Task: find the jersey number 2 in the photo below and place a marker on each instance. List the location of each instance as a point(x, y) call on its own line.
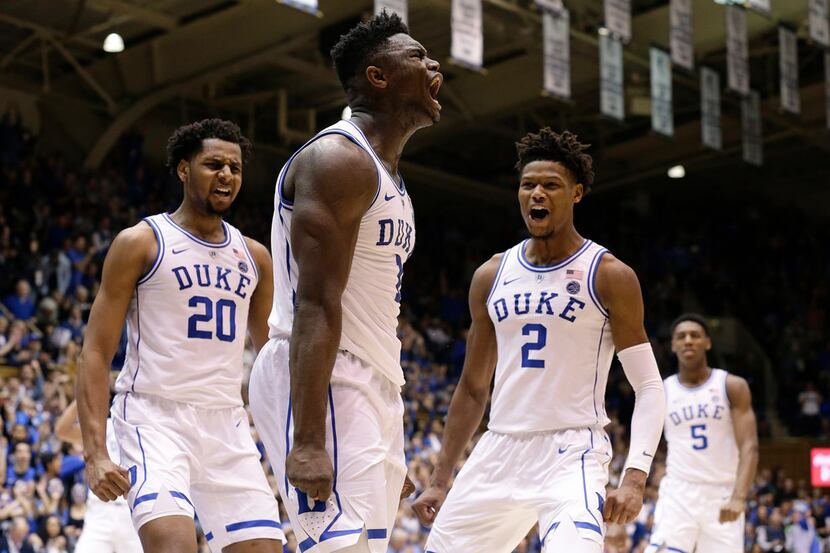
point(225, 311)
point(541, 334)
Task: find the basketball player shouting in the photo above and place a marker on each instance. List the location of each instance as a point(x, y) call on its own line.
point(713, 450)
point(547, 316)
point(190, 285)
point(325, 390)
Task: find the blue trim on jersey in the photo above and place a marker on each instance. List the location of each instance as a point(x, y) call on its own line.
point(287, 441)
point(592, 281)
point(376, 533)
point(596, 368)
point(124, 414)
point(209, 536)
point(498, 276)
point(180, 495)
point(159, 254)
point(248, 252)
point(262, 523)
point(547, 268)
point(138, 339)
point(552, 528)
point(143, 466)
point(585, 485)
point(400, 186)
point(588, 526)
point(143, 498)
point(326, 132)
point(221, 244)
point(725, 391)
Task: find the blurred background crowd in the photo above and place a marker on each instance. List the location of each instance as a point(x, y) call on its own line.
point(57, 222)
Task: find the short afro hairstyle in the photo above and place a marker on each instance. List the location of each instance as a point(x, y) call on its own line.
point(186, 141)
point(695, 318)
point(547, 145)
point(353, 52)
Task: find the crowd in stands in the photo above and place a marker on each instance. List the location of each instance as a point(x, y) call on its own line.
point(56, 224)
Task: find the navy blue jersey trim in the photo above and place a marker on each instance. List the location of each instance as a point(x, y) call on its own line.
point(159, 254)
point(547, 268)
point(199, 241)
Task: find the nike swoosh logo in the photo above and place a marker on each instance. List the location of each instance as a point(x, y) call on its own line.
point(506, 282)
point(387, 197)
point(647, 454)
point(564, 449)
point(175, 251)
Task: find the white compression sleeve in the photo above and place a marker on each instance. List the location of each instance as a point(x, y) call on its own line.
point(642, 373)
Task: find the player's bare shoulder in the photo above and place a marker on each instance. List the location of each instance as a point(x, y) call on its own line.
point(484, 278)
point(334, 166)
point(616, 281)
point(259, 252)
point(135, 247)
point(737, 390)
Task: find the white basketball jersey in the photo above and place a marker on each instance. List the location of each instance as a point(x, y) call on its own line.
point(554, 343)
point(699, 431)
point(371, 299)
point(188, 318)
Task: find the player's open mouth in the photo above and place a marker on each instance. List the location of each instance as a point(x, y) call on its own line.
point(223, 192)
point(434, 87)
point(538, 213)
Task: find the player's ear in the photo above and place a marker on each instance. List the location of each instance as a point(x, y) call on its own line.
point(183, 170)
point(376, 77)
point(579, 192)
point(708, 343)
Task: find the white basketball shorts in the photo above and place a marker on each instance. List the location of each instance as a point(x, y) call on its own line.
point(364, 438)
point(108, 528)
point(686, 519)
point(184, 458)
point(512, 481)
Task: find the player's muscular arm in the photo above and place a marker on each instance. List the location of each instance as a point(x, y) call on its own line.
point(260, 306)
point(619, 290)
point(333, 185)
point(131, 255)
point(746, 434)
point(471, 395)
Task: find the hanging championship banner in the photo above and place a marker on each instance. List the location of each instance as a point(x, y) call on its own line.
point(760, 6)
point(737, 51)
point(393, 6)
point(819, 25)
point(682, 50)
point(710, 108)
point(308, 6)
point(788, 65)
point(612, 97)
point(556, 29)
point(751, 126)
point(553, 6)
point(467, 48)
point(662, 116)
point(618, 18)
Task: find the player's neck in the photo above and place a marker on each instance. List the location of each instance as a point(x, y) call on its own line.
point(204, 226)
point(387, 133)
point(556, 248)
point(695, 375)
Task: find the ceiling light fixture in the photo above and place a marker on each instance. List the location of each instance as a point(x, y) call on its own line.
point(677, 172)
point(113, 43)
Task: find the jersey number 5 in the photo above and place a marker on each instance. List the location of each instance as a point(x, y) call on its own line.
point(700, 439)
point(541, 334)
point(225, 317)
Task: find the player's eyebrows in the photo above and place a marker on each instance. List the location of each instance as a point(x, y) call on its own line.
point(222, 160)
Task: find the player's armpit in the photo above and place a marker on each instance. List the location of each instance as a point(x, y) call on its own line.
point(263, 296)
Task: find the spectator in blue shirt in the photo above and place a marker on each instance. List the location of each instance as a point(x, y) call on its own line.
point(21, 467)
point(22, 302)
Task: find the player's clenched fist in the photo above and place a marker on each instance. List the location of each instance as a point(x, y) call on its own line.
point(106, 479)
point(428, 504)
point(309, 469)
point(623, 504)
point(730, 511)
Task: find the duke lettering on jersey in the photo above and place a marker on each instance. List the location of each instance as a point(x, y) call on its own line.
point(702, 411)
point(400, 234)
point(541, 302)
point(223, 278)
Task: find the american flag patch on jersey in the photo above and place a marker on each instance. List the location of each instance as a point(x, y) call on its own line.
point(238, 254)
point(574, 274)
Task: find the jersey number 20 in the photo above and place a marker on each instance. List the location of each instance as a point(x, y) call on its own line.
point(225, 315)
point(541, 338)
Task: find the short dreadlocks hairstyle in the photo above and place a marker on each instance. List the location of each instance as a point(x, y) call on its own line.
point(186, 141)
point(695, 318)
point(354, 51)
point(547, 145)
